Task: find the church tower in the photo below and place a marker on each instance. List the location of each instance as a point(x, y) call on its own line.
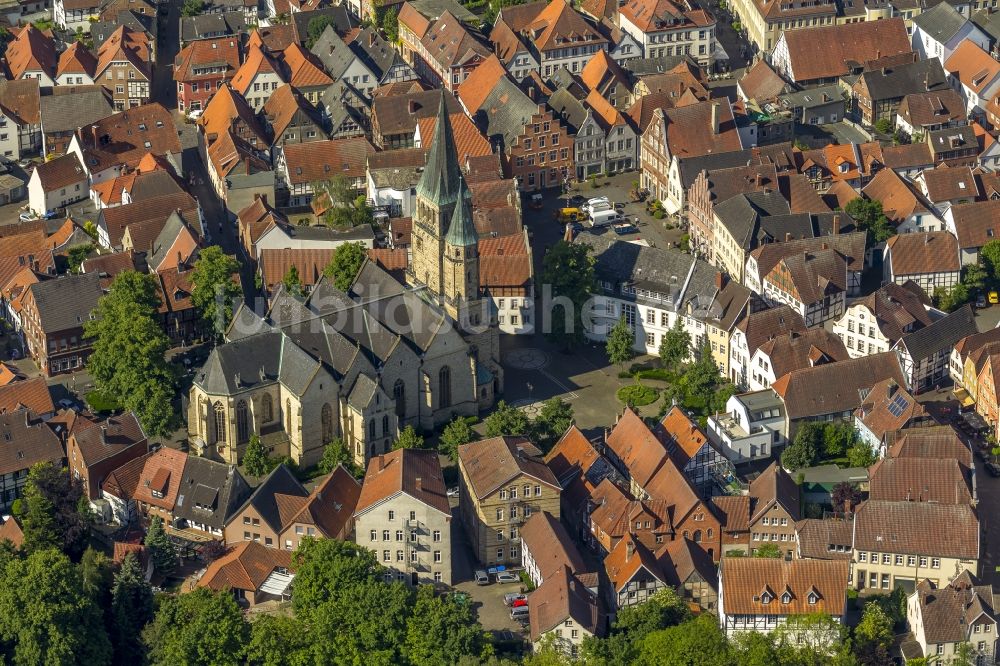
point(437, 195)
point(445, 258)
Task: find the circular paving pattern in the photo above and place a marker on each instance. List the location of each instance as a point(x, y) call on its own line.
point(530, 407)
point(526, 359)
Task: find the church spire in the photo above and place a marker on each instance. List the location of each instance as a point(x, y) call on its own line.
point(440, 180)
point(462, 231)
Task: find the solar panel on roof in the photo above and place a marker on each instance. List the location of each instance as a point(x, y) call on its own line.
point(898, 405)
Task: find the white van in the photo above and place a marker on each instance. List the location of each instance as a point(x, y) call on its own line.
point(603, 218)
point(521, 612)
point(597, 206)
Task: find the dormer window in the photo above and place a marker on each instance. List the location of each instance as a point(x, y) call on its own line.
point(786, 598)
point(765, 598)
point(843, 167)
point(813, 598)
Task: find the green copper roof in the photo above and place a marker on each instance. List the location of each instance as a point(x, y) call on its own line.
point(462, 230)
point(439, 182)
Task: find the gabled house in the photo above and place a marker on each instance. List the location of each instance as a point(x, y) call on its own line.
point(555, 35)
point(877, 93)
point(32, 55)
point(564, 608)
point(94, 452)
point(899, 543)
point(608, 79)
point(20, 118)
point(930, 260)
point(973, 225)
point(258, 77)
point(27, 441)
point(73, 14)
point(752, 426)
point(966, 358)
point(664, 28)
point(906, 208)
point(56, 184)
point(77, 66)
point(342, 64)
point(939, 30)
point(975, 76)
point(292, 118)
point(239, 171)
point(305, 72)
point(532, 141)
point(633, 572)
point(692, 451)
point(943, 618)
point(203, 67)
point(301, 165)
point(125, 67)
point(229, 111)
point(919, 113)
point(792, 351)
point(759, 594)
point(502, 482)
point(381, 57)
point(403, 512)
point(546, 547)
point(251, 573)
point(946, 186)
point(875, 323)
point(442, 49)
point(53, 317)
point(67, 109)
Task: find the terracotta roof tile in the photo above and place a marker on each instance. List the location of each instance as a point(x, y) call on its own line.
point(77, 60)
point(304, 69)
point(257, 61)
point(162, 470)
point(550, 545)
point(976, 223)
point(27, 441)
point(761, 83)
point(31, 393)
point(689, 130)
point(491, 463)
point(474, 90)
point(825, 539)
point(889, 407)
point(205, 53)
point(321, 160)
point(746, 581)
point(941, 481)
point(899, 199)
point(930, 252)
point(31, 51)
point(626, 559)
point(561, 597)
point(309, 262)
point(973, 66)
point(640, 451)
point(20, 100)
point(11, 531)
point(414, 472)
point(504, 261)
point(122, 138)
point(844, 46)
point(796, 350)
point(244, 567)
point(916, 528)
point(468, 141)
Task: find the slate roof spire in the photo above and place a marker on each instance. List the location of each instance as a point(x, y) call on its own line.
point(440, 180)
point(462, 231)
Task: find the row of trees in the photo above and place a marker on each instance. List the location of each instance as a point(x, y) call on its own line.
point(835, 442)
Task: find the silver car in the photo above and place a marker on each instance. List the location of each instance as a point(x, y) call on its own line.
point(507, 577)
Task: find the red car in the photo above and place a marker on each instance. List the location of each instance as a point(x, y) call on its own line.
point(519, 602)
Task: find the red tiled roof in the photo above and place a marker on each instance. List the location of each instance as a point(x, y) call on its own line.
point(245, 567)
point(504, 261)
point(844, 46)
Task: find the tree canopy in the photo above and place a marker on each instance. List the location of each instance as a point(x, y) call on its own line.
point(345, 264)
point(868, 215)
point(56, 513)
point(128, 359)
point(568, 275)
point(215, 292)
point(675, 346)
point(507, 420)
point(198, 627)
point(454, 435)
point(408, 438)
point(618, 345)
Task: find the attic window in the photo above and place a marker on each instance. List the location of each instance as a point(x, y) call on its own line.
point(989, 233)
point(765, 598)
point(786, 598)
point(298, 171)
point(147, 144)
point(159, 123)
point(843, 167)
point(813, 598)
point(142, 127)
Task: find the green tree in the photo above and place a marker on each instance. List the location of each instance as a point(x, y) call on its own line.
point(454, 435)
point(664, 609)
point(192, 7)
point(90, 228)
point(700, 381)
point(873, 636)
point(46, 614)
point(568, 275)
point(441, 629)
point(365, 625)
point(131, 610)
point(255, 460)
point(345, 263)
point(975, 277)
point(128, 360)
point(805, 447)
point(77, 254)
point(619, 343)
point(553, 420)
point(861, 455)
point(348, 208)
point(161, 549)
point(292, 282)
point(767, 551)
point(315, 29)
point(675, 346)
point(215, 291)
point(389, 22)
point(989, 255)
point(817, 638)
point(279, 640)
point(698, 641)
point(950, 300)
point(198, 627)
point(408, 439)
point(506, 421)
point(53, 517)
point(838, 437)
point(336, 453)
point(324, 568)
point(883, 125)
point(870, 218)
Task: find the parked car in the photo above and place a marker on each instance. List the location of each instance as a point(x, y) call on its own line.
point(27, 216)
point(624, 228)
point(520, 603)
point(536, 201)
point(511, 597)
point(49, 214)
point(981, 300)
point(520, 613)
point(994, 297)
point(66, 403)
point(993, 469)
point(507, 577)
point(453, 492)
point(482, 578)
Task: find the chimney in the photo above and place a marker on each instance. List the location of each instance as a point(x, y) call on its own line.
point(759, 179)
point(836, 224)
point(927, 81)
point(788, 236)
point(825, 246)
point(93, 131)
point(629, 550)
point(720, 280)
point(420, 484)
point(412, 106)
point(715, 118)
point(371, 38)
point(532, 95)
point(379, 463)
